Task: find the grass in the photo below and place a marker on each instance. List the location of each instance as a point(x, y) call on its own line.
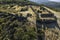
point(55, 9)
point(13, 23)
point(21, 29)
point(4, 8)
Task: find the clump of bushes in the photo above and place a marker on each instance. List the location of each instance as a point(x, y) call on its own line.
point(39, 11)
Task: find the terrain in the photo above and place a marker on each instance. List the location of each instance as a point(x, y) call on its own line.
point(28, 21)
point(53, 5)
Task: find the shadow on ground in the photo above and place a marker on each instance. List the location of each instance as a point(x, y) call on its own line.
point(40, 25)
point(8, 22)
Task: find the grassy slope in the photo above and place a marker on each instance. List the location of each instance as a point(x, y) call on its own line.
point(23, 31)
